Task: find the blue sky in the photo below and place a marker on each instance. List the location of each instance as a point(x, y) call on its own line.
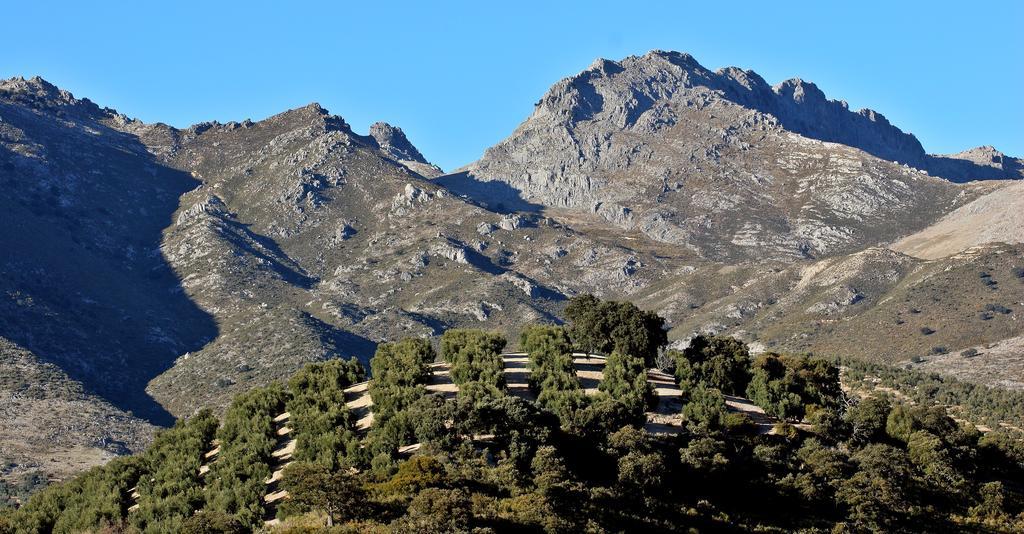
point(459, 76)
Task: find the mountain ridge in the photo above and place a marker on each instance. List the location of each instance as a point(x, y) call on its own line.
point(165, 269)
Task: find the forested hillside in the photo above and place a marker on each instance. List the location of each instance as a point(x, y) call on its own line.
point(448, 441)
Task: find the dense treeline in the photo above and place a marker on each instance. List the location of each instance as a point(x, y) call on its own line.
point(171, 489)
point(247, 440)
point(492, 462)
point(400, 370)
point(322, 425)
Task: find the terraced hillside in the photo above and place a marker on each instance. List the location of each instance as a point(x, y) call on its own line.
point(479, 437)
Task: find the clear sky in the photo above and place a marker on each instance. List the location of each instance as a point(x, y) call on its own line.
point(459, 76)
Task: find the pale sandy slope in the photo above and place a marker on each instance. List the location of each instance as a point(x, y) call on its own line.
point(995, 217)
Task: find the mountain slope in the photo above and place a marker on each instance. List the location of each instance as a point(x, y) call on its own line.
point(997, 217)
point(158, 270)
point(716, 161)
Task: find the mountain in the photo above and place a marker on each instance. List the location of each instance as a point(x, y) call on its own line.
point(150, 271)
point(719, 162)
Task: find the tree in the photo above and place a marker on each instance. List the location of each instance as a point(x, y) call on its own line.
point(705, 409)
point(625, 379)
point(788, 386)
point(338, 494)
point(404, 363)
point(588, 329)
point(321, 423)
point(248, 437)
point(722, 363)
point(933, 458)
point(598, 326)
point(867, 420)
point(475, 356)
point(880, 495)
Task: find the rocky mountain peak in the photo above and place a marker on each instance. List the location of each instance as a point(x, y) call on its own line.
point(392, 140)
point(37, 93)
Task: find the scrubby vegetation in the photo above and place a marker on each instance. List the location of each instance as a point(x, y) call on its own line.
point(488, 461)
point(247, 439)
point(978, 403)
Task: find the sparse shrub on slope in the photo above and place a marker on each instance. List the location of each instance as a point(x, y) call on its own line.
point(979, 403)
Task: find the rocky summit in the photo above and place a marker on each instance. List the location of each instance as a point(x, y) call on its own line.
point(148, 271)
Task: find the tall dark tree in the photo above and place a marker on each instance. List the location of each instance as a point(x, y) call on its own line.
point(718, 362)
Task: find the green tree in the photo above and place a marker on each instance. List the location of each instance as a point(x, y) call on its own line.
point(321, 423)
point(403, 363)
point(339, 494)
point(598, 326)
point(705, 409)
point(475, 356)
point(880, 496)
point(235, 483)
point(722, 363)
point(788, 386)
point(625, 379)
point(867, 420)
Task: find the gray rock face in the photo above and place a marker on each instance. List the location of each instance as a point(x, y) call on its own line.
point(717, 161)
point(393, 141)
point(395, 144)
